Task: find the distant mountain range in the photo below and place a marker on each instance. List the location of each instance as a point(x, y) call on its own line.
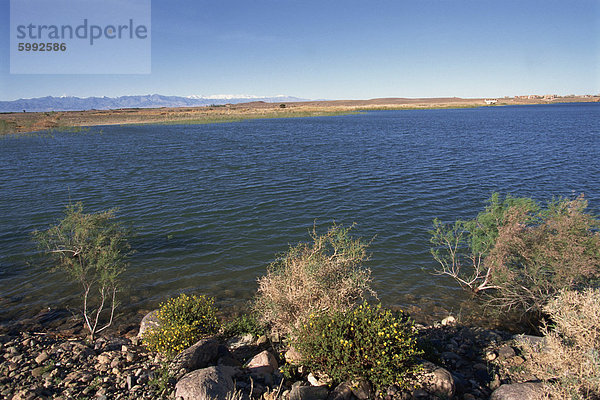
point(68, 103)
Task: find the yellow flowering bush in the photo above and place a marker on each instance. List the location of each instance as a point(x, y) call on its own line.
point(183, 321)
point(368, 342)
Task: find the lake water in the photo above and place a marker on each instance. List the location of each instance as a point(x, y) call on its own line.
point(212, 205)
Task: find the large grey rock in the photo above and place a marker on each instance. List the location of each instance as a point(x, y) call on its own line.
point(309, 393)
point(149, 322)
point(200, 355)
point(263, 363)
point(212, 383)
point(519, 391)
point(438, 381)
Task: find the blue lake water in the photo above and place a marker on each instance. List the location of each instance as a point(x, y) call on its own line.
point(212, 205)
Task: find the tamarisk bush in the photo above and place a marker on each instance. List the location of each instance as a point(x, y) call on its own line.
point(518, 255)
point(92, 250)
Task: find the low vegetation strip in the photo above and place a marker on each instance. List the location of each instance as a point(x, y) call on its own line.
point(40, 121)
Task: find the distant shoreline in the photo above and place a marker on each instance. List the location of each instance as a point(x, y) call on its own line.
point(73, 120)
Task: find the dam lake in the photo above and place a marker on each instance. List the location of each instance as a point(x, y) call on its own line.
point(212, 205)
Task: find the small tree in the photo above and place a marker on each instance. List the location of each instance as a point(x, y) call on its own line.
point(520, 255)
point(92, 250)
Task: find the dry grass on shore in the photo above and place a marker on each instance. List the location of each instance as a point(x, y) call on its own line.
point(61, 120)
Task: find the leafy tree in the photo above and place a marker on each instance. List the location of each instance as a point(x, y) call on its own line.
point(518, 254)
point(92, 249)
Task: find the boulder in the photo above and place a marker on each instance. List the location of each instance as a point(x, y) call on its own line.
point(263, 363)
point(361, 389)
point(519, 391)
point(343, 391)
point(149, 321)
point(212, 383)
point(200, 355)
point(309, 393)
point(240, 341)
point(438, 381)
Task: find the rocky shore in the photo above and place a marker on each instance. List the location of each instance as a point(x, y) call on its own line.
point(462, 363)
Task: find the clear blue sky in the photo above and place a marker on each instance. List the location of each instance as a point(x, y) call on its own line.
point(349, 50)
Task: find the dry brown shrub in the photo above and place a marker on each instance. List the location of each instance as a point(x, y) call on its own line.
point(569, 361)
point(327, 274)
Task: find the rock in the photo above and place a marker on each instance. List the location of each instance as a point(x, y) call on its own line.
point(482, 375)
point(43, 356)
point(519, 391)
point(506, 352)
point(240, 341)
point(449, 321)
point(491, 355)
point(263, 363)
point(309, 393)
point(199, 355)
point(341, 392)
point(495, 384)
point(104, 359)
point(212, 383)
point(438, 381)
point(448, 355)
point(37, 372)
point(292, 356)
point(537, 342)
point(361, 389)
point(275, 337)
point(229, 360)
point(149, 321)
point(420, 394)
point(321, 380)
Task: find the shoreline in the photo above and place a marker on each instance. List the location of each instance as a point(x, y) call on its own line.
point(28, 122)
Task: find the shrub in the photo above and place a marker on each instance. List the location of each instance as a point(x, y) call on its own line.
point(569, 360)
point(519, 254)
point(183, 321)
point(368, 342)
point(245, 323)
point(326, 274)
point(92, 250)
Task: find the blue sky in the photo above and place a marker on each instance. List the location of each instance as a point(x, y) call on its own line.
point(348, 50)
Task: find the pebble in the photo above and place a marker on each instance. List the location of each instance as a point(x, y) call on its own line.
point(43, 356)
point(60, 368)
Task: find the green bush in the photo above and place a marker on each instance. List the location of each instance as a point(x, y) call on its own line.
point(245, 323)
point(519, 254)
point(367, 342)
point(92, 249)
point(183, 321)
point(326, 274)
